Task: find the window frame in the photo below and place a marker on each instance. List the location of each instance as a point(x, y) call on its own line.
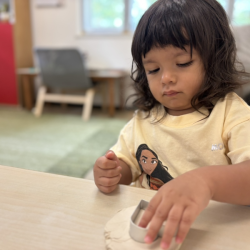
point(127, 27)
point(85, 16)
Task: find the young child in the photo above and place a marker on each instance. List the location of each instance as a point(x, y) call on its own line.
point(188, 115)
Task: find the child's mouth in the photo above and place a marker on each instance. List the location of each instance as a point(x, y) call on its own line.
point(170, 93)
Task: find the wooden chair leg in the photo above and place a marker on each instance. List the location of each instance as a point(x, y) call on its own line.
point(104, 96)
point(88, 104)
point(40, 101)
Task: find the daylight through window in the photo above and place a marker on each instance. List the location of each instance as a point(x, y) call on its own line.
point(118, 16)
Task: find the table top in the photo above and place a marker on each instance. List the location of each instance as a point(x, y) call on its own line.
point(46, 211)
point(93, 73)
point(107, 73)
point(28, 71)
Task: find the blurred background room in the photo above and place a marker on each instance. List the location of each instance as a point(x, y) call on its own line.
point(65, 78)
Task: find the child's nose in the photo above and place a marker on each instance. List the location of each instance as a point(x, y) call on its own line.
point(168, 77)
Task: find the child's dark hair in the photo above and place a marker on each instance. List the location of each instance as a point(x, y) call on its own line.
point(201, 24)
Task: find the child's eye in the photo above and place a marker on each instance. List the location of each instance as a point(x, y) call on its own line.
point(153, 161)
point(185, 64)
point(153, 71)
point(144, 161)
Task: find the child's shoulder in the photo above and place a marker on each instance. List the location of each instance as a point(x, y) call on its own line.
point(234, 109)
point(232, 102)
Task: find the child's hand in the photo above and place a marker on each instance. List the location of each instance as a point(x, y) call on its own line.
point(107, 172)
point(179, 201)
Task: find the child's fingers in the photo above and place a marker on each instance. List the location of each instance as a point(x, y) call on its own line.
point(104, 163)
point(109, 182)
point(150, 211)
point(187, 219)
point(110, 172)
point(171, 226)
point(111, 156)
point(107, 185)
point(160, 215)
point(107, 190)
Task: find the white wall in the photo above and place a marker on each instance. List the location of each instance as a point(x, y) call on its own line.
point(58, 27)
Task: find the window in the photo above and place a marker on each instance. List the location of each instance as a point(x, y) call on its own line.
point(112, 16)
point(237, 10)
point(118, 16)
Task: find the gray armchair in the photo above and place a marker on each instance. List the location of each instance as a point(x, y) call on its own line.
point(63, 69)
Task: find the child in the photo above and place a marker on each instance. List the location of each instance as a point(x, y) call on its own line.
point(185, 75)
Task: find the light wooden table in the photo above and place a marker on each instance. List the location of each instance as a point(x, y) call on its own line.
point(46, 211)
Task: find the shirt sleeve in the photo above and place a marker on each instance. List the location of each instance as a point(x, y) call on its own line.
point(239, 142)
point(125, 148)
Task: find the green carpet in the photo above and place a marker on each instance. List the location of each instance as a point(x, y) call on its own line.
point(61, 144)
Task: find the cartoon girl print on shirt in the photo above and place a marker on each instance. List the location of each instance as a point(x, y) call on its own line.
point(152, 168)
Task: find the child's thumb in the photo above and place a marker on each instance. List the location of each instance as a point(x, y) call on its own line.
point(111, 155)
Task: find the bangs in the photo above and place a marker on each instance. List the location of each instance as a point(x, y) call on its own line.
point(160, 27)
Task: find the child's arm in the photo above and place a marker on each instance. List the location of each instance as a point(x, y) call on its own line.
point(182, 199)
point(229, 183)
point(109, 171)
